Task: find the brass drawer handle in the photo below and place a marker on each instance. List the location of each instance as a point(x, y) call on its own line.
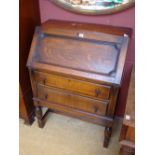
point(95, 109)
point(44, 81)
point(46, 96)
point(97, 92)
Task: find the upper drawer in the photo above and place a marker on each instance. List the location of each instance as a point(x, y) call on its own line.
point(77, 86)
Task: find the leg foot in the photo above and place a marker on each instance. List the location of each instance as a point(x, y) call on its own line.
point(30, 119)
point(107, 135)
point(39, 116)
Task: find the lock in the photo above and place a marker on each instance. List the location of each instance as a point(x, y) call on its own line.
point(80, 35)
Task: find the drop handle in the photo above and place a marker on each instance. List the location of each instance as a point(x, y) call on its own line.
point(97, 92)
point(46, 96)
point(44, 81)
point(95, 109)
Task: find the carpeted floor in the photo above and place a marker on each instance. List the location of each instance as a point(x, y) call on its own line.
point(66, 136)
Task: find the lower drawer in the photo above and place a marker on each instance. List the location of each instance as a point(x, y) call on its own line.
point(72, 100)
point(76, 113)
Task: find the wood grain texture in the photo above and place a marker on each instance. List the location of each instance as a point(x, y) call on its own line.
point(79, 54)
point(73, 27)
point(69, 111)
point(72, 100)
point(77, 86)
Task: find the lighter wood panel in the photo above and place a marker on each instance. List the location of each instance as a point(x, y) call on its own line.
point(75, 101)
point(94, 57)
point(77, 86)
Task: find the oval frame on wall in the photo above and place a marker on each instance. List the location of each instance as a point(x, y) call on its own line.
point(95, 7)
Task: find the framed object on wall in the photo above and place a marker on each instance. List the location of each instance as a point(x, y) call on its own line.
point(95, 7)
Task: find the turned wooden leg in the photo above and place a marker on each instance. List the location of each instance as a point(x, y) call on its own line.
point(30, 120)
point(39, 116)
point(107, 135)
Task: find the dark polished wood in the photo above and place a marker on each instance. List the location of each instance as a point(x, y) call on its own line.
point(29, 17)
point(76, 86)
point(107, 135)
point(72, 100)
point(76, 70)
point(25, 111)
point(127, 137)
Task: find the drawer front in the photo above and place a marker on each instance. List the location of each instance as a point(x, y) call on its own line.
point(84, 88)
point(88, 56)
point(71, 100)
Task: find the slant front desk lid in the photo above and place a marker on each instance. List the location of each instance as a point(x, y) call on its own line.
point(88, 51)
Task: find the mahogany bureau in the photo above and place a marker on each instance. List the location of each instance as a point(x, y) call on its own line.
point(76, 69)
